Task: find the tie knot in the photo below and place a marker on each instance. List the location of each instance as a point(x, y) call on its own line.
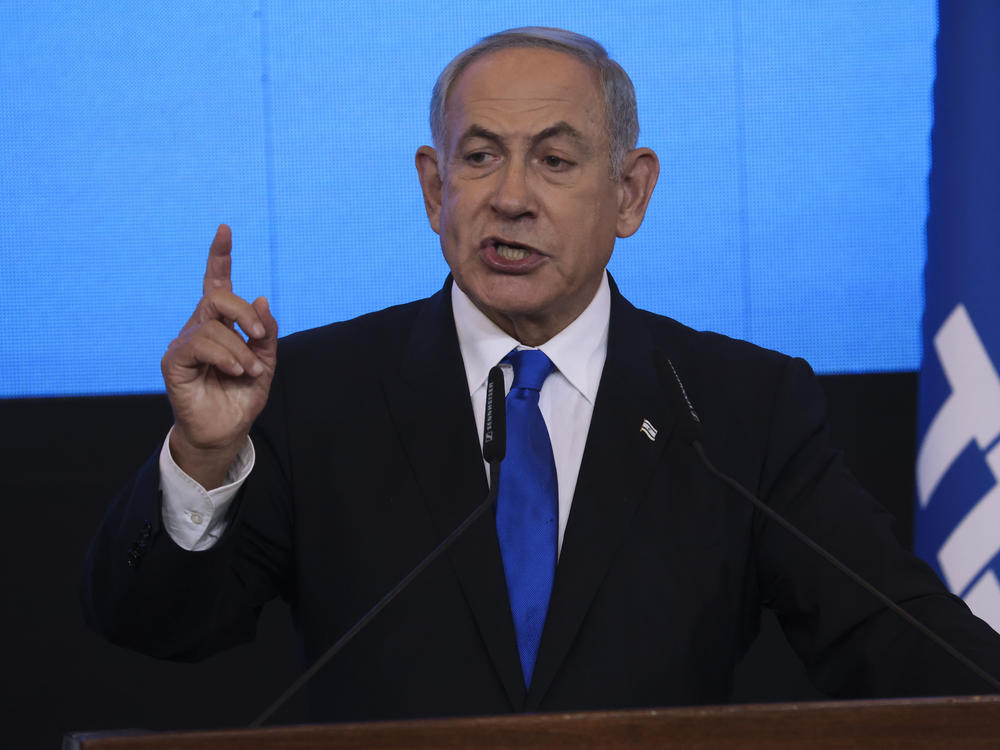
point(531, 367)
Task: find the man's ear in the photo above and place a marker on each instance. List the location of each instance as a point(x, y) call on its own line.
point(639, 173)
point(431, 184)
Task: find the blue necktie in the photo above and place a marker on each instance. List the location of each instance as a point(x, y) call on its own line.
point(527, 505)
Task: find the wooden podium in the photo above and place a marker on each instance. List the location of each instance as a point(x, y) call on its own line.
point(923, 723)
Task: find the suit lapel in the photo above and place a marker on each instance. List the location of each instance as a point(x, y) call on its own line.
point(429, 401)
point(617, 463)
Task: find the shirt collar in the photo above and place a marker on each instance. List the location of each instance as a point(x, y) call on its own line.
point(578, 351)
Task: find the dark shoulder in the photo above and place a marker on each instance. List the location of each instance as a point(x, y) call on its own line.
point(373, 338)
point(710, 354)
point(756, 405)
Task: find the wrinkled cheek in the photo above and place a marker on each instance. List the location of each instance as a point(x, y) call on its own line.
point(449, 232)
point(456, 223)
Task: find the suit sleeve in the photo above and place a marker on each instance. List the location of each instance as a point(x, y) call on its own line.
point(850, 643)
point(143, 591)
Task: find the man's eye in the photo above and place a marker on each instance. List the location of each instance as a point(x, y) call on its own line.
point(478, 157)
point(555, 162)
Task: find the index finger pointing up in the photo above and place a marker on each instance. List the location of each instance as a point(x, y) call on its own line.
point(219, 261)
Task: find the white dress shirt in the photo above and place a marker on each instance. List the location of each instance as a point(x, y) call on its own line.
point(568, 394)
point(195, 517)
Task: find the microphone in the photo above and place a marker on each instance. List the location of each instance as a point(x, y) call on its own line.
point(495, 429)
point(690, 430)
point(494, 448)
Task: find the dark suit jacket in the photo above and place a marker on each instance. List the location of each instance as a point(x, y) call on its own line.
point(367, 456)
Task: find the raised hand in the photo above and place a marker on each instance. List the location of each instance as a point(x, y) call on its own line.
point(217, 382)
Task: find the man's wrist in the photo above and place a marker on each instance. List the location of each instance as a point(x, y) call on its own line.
point(207, 466)
point(194, 517)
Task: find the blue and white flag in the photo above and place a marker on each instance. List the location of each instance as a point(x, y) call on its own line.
point(958, 461)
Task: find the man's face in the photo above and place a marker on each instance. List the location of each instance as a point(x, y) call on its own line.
point(525, 205)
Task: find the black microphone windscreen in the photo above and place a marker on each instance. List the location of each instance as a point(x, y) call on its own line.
point(495, 424)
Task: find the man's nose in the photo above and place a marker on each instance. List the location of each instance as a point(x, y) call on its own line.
point(514, 196)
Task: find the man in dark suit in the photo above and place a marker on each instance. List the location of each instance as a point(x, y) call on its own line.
point(366, 452)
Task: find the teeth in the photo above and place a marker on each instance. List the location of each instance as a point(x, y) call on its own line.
point(512, 253)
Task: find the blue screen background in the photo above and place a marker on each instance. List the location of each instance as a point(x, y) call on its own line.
point(790, 211)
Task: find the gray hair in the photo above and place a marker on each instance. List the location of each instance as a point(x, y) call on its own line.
point(620, 112)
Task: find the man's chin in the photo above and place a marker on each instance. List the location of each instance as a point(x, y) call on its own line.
point(512, 298)
point(529, 319)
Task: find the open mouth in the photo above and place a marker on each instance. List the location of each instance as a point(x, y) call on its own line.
point(509, 257)
point(511, 252)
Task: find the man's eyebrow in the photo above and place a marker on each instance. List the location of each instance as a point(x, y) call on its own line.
point(478, 131)
point(561, 128)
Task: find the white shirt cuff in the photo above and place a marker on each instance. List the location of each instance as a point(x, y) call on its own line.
point(195, 517)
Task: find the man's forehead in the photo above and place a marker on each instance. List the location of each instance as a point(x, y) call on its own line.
point(523, 81)
point(526, 73)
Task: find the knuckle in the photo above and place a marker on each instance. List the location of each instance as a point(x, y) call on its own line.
point(210, 302)
point(217, 297)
